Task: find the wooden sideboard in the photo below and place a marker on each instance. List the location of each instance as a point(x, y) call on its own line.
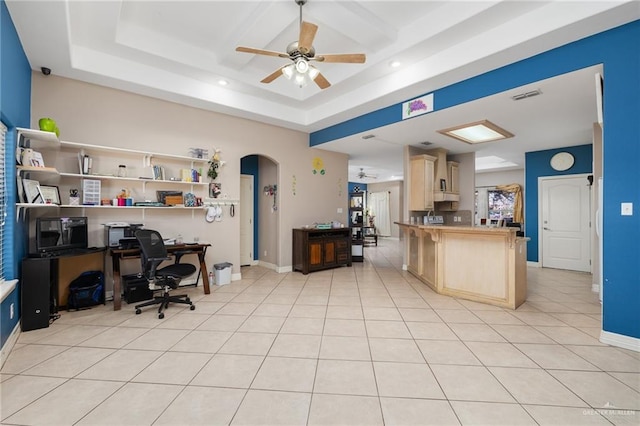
point(317, 249)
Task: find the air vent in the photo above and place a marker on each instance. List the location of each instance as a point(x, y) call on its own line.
point(426, 143)
point(522, 96)
point(369, 136)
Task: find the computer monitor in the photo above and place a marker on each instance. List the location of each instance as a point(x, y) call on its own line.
point(55, 234)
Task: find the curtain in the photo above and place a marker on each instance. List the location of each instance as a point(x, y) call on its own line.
point(518, 216)
point(379, 208)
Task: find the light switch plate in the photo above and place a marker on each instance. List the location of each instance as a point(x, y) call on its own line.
point(339, 209)
point(626, 209)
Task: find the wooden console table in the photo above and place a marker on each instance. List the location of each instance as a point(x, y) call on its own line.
point(317, 249)
point(177, 249)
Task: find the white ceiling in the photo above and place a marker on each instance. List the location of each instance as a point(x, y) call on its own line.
point(179, 50)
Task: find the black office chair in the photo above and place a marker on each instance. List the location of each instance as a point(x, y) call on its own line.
point(153, 253)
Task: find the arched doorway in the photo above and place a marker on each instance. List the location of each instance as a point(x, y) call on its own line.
point(259, 227)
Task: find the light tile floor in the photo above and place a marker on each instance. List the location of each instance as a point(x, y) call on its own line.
point(366, 345)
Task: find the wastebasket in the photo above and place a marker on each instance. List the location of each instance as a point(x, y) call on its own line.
point(223, 273)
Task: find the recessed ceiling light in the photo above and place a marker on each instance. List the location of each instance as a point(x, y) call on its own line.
point(480, 131)
point(395, 64)
point(223, 82)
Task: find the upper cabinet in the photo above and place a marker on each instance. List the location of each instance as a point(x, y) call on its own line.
point(422, 182)
point(434, 182)
point(446, 177)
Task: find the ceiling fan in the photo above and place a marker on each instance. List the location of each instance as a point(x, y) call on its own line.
point(301, 52)
point(363, 175)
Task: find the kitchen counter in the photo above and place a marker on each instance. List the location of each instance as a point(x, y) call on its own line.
point(483, 264)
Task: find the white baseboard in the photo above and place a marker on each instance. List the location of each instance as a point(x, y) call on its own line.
point(619, 340)
point(236, 277)
point(533, 264)
point(8, 345)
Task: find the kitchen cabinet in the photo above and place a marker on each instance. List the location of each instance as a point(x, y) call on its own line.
point(421, 178)
point(318, 249)
point(453, 176)
point(447, 187)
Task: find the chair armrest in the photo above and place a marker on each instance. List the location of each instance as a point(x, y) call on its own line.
point(153, 259)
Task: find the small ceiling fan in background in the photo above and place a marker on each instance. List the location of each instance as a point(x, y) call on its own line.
point(363, 175)
point(301, 52)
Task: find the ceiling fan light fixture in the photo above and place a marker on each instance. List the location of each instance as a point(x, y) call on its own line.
point(288, 71)
point(313, 73)
point(302, 66)
point(301, 80)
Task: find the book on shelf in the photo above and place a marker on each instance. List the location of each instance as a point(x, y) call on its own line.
point(158, 173)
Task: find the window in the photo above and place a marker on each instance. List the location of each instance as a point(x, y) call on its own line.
point(500, 204)
point(493, 204)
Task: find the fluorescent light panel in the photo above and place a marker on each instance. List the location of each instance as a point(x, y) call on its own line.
point(480, 131)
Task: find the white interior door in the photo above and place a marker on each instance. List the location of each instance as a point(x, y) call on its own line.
point(565, 223)
point(246, 220)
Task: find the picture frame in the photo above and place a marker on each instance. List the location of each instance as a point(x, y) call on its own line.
point(215, 189)
point(50, 194)
point(32, 194)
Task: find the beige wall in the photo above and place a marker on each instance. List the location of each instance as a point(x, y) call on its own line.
point(396, 194)
point(267, 215)
point(91, 114)
point(500, 178)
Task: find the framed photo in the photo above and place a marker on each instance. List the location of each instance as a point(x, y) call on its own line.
point(32, 191)
point(50, 194)
point(215, 189)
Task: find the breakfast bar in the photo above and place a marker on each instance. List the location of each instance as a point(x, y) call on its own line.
point(482, 264)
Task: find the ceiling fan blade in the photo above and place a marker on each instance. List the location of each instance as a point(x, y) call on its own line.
point(351, 58)
point(322, 82)
point(268, 79)
point(307, 34)
point(261, 52)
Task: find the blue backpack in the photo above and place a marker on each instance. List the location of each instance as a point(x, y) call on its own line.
point(86, 290)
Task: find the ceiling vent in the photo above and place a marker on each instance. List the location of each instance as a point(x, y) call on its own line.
point(369, 136)
point(426, 143)
point(530, 94)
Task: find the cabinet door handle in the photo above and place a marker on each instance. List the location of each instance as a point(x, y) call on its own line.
point(546, 229)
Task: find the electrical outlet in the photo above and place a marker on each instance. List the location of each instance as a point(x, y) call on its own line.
point(265, 253)
point(11, 311)
point(339, 209)
point(626, 209)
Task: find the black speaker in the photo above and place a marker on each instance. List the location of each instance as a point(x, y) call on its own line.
point(35, 290)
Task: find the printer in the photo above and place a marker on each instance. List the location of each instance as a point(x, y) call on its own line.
point(117, 233)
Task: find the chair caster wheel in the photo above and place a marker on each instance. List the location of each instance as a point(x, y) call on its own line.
point(192, 308)
point(160, 316)
point(138, 311)
point(188, 300)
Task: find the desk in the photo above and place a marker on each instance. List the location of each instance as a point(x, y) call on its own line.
point(118, 254)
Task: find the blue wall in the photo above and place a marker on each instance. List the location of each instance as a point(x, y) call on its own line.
point(537, 165)
point(15, 106)
point(618, 51)
point(250, 165)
